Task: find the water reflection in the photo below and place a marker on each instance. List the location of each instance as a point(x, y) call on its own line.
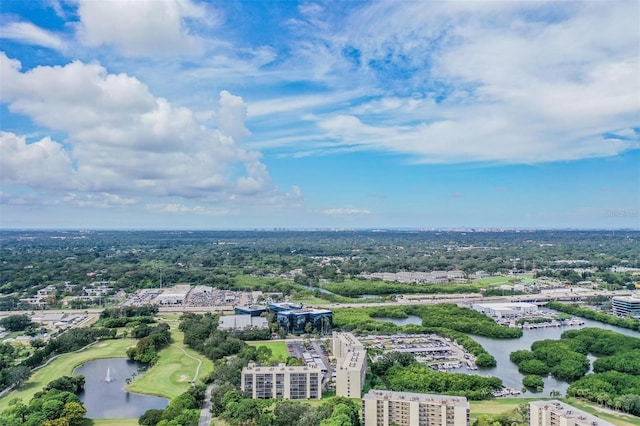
point(410, 320)
point(104, 394)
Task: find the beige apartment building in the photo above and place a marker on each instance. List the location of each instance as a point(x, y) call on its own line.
point(351, 364)
point(385, 408)
point(556, 413)
point(286, 382)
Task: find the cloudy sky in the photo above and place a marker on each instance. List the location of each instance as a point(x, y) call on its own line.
point(259, 114)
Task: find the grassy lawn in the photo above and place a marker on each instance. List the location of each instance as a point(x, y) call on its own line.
point(501, 405)
point(493, 281)
point(279, 351)
point(496, 406)
point(609, 415)
point(310, 300)
point(64, 365)
point(171, 375)
point(111, 422)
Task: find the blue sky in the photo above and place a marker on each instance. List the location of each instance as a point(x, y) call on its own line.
point(345, 114)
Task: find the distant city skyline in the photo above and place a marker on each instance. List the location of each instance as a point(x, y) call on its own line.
point(184, 114)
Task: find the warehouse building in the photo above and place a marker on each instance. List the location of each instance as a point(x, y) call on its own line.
point(505, 310)
point(241, 322)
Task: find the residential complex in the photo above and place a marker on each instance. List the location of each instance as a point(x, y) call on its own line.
point(556, 413)
point(384, 408)
point(626, 306)
point(287, 382)
point(351, 365)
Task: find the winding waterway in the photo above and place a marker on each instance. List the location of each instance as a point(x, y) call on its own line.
point(501, 348)
point(105, 396)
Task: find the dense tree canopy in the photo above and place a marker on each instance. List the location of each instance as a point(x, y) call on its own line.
point(55, 405)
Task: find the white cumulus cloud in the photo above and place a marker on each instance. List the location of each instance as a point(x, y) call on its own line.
point(43, 163)
point(123, 140)
point(141, 27)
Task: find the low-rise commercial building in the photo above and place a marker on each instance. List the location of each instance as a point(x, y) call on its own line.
point(296, 321)
point(505, 310)
point(626, 306)
point(385, 408)
point(287, 382)
point(284, 306)
point(556, 413)
point(175, 295)
point(254, 311)
point(241, 322)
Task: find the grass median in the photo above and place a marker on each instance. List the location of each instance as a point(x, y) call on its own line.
point(279, 351)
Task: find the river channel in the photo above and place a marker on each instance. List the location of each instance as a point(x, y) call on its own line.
point(501, 348)
point(105, 396)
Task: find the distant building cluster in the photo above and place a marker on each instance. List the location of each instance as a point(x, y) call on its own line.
point(435, 277)
point(351, 364)
point(193, 296)
point(41, 299)
point(385, 408)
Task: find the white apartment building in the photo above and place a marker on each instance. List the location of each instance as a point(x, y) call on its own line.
point(343, 343)
point(556, 413)
point(351, 364)
point(287, 382)
point(384, 408)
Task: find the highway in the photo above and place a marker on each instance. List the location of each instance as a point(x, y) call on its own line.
point(412, 299)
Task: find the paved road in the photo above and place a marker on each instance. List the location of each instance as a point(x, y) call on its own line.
point(205, 413)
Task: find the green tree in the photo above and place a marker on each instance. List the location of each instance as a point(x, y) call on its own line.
point(74, 413)
point(533, 382)
point(150, 417)
point(288, 413)
point(17, 323)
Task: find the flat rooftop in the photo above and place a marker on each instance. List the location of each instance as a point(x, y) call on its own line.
point(580, 417)
point(424, 398)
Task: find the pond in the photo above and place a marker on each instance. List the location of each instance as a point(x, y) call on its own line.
point(410, 320)
point(104, 394)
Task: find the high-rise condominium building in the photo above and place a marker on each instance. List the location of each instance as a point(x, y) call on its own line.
point(351, 365)
point(385, 408)
point(556, 413)
point(287, 382)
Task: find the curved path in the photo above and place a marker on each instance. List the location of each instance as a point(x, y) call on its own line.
point(195, 376)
